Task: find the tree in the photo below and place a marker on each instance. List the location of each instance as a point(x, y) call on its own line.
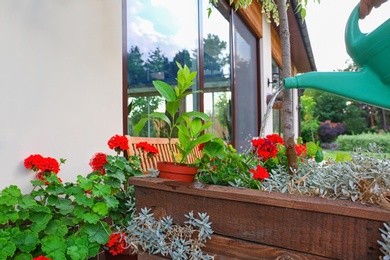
point(309, 124)
point(140, 107)
point(214, 60)
point(156, 64)
point(135, 66)
point(278, 12)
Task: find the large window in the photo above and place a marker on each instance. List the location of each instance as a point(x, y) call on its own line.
point(161, 33)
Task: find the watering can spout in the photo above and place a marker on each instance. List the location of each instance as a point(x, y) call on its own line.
point(370, 51)
point(363, 85)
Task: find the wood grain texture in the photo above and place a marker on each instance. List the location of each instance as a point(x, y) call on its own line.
point(314, 226)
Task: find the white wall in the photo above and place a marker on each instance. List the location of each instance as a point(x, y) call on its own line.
point(60, 83)
point(266, 73)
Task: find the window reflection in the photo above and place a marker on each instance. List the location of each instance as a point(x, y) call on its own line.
point(217, 84)
point(159, 34)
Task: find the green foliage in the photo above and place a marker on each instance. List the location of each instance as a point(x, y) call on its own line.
point(140, 106)
point(222, 165)
point(309, 123)
point(349, 142)
point(65, 220)
point(189, 125)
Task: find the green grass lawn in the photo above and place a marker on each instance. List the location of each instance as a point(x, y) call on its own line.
point(332, 153)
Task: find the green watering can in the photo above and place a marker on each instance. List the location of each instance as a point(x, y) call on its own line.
point(371, 84)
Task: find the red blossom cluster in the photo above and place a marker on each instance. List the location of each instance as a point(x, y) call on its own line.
point(37, 162)
point(265, 148)
point(41, 257)
point(118, 143)
point(117, 243)
point(147, 148)
point(97, 162)
point(300, 149)
point(260, 173)
point(275, 138)
point(43, 166)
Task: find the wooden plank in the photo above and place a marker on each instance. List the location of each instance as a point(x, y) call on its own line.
point(224, 248)
point(309, 203)
point(278, 224)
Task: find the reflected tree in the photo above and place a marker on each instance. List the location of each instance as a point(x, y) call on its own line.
point(136, 73)
point(140, 107)
point(214, 59)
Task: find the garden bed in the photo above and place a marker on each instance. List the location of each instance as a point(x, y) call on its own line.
point(251, 224)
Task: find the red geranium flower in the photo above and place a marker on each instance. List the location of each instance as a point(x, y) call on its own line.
point(117, 243)
point(265, 148)
point(42, 165)
point(147, 148)
point(97, 162)
point(41, 257)
point(33, 161)
point(300, 149)
point(118, 143)
point(275, 138)
point(260, 173)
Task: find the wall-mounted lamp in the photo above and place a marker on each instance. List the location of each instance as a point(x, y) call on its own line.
point(275, 79)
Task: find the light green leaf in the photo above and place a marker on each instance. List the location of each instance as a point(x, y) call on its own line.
point(165, 90)
point(100, 208)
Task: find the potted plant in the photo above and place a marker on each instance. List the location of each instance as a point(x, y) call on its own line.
point(59, 220)
point(189, 125)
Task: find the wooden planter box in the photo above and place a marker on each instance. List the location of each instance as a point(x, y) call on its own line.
point(251, 224)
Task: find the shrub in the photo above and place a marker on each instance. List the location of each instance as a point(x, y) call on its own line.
point(328, 131)
point(349, 142)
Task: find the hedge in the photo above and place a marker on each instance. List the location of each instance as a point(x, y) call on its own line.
point(349, 142)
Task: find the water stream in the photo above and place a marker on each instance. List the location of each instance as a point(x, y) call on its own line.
point(269, 110)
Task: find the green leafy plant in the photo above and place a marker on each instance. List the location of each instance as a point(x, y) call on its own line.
point(60, 220)
point(190, 125)
point(222, 165)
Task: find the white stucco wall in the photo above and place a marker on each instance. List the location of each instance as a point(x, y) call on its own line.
point(60, 83)
point(266, 73)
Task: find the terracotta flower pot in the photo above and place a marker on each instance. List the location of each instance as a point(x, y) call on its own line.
point(180, 172)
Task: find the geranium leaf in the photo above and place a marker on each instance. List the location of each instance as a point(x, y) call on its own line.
point(54, 247)
point(91, 218)
point(56, 227)
point(7, 248)
point(77, 253)
point(100, 208)
point(111, 201)
point(97, 233)
point(26, 241)
point(82, 199)
point(101, 190)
